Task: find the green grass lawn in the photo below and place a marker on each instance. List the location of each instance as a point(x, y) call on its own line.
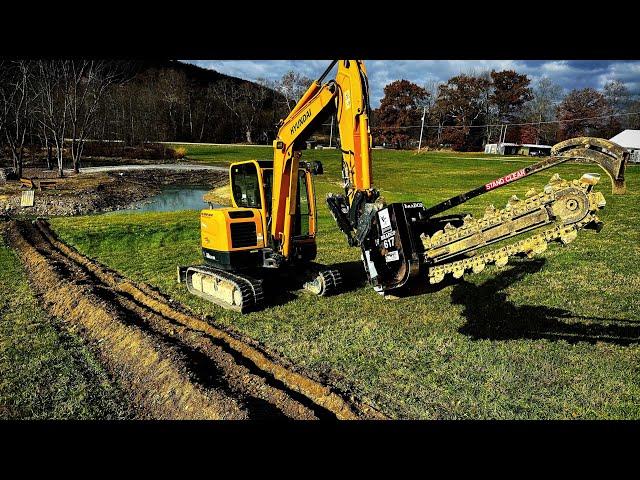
point(225, 154)
point(46, 372)
point(553, 337)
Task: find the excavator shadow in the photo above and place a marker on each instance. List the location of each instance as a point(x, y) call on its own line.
point(353, 274)
point(490, 315)
point(488, 311)
point(278, 288)
point(284, 286)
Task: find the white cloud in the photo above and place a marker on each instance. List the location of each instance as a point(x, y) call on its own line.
point(568, 74)
point(556, 67)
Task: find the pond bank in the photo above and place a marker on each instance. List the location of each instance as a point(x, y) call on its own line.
point(101, 191)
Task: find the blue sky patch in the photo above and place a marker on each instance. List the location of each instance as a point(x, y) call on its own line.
point(569, 74)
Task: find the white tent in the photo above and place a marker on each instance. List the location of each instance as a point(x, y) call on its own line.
point(629, 139)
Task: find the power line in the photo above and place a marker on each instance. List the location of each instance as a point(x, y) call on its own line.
point(546, 122)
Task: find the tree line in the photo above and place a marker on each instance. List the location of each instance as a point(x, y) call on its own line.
point(54, 110)
point(471, 110)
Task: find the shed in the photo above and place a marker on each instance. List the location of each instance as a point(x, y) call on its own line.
point(501, 148)
point(533, 150)
point(630, 140)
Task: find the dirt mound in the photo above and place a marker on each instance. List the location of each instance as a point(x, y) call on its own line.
point(174, 365)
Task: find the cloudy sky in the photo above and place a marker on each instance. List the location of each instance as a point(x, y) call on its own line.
point(569, 74)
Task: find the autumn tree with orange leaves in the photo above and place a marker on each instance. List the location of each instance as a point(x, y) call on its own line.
point(400, 108)
point(577, 112)
point(462, 102)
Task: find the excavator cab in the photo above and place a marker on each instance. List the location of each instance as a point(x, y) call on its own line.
point(237, 239)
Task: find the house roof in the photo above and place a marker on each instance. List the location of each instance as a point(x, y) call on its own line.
point(627, 139)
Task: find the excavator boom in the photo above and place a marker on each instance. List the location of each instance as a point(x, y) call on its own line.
point(348, 97)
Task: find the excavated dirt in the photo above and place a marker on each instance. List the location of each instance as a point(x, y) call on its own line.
point(175, 365)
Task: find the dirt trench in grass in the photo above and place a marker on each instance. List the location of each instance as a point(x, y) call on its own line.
point(174, 365)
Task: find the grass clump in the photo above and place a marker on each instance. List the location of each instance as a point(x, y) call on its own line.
point(46, 370)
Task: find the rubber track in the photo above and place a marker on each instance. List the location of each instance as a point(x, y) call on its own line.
point(333, 282)
point(250, 288)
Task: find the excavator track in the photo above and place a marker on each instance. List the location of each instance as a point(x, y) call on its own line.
point(229, 290)
point(566, 206)
point(326, 283)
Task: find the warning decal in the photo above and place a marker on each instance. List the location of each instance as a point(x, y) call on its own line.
point(385, 220)
point(506, 179)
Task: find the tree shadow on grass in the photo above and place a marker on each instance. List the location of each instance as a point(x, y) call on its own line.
point(490, 315)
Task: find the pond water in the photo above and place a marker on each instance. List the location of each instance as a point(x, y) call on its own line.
point(172, 199)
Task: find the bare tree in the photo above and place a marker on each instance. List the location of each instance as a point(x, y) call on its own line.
point(253, 97)
point(617, 95)
point(431, 87)
point(490, 109)
point(542, 108)
point(172, 88)
point(75, 100)
point(51, 83)
point(633, 122)
point(209, 99)
point(87, 82)
point(434, 115)
point(43, 135)
point(17, 103)
point(244, 101)
point(292, 86)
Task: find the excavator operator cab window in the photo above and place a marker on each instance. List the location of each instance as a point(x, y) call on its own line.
point(245, 185)
point(303, 212)
point(267, 180)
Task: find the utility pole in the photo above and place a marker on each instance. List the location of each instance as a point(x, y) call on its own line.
point(331, 134)
point(504, 134)
point(424, 112)
point(502, 138)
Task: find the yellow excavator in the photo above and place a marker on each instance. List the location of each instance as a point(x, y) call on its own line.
point(272, 223)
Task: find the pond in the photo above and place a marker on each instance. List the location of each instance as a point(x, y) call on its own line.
point(172, 199)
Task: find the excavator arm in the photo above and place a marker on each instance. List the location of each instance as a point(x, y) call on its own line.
point(293, 132)
point(348, 97)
